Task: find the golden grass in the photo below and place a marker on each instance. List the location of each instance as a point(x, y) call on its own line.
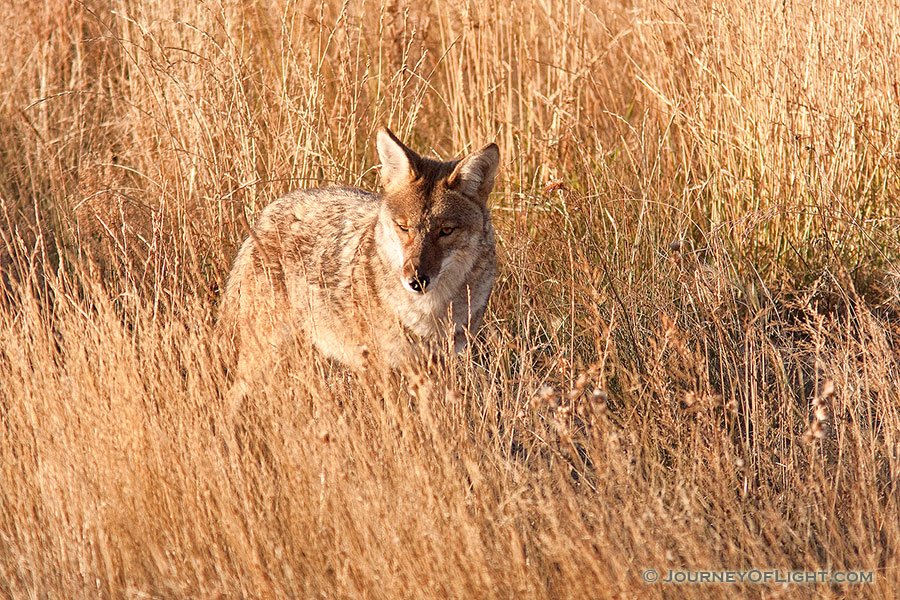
point(690, 361)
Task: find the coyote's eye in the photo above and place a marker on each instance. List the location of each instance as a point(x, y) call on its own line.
point(403, 228)
point(447, 230)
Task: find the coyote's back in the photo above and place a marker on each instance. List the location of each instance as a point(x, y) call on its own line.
point(402, 275)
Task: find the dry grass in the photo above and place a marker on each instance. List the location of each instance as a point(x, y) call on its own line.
point(690, 361)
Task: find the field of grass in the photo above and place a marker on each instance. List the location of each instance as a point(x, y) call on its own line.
point(691, 360)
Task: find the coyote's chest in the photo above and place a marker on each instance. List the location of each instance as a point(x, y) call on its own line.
point(424, 315)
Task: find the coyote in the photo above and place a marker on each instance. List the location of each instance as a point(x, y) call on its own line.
point(355, 273)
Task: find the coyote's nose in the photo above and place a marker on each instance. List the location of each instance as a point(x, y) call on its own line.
point(419, 283)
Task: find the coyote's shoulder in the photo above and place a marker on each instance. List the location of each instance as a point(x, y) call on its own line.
point(402, 274)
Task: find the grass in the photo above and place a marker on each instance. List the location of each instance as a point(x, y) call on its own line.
point(690, 361)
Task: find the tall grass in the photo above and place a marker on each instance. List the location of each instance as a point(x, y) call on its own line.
point(690, 361)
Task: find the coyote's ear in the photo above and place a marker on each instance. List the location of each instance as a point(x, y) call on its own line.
point(396, 160)
point(474, 175)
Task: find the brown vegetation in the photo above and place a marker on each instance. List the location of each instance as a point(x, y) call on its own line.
point(690, 360)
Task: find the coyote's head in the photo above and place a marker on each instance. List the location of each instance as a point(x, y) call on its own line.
point(434, 218)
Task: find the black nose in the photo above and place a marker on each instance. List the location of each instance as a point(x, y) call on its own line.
point(419, 283)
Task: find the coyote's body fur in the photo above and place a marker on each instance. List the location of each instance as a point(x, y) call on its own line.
point(402, 275)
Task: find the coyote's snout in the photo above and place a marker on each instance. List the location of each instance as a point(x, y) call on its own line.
point(349, 270)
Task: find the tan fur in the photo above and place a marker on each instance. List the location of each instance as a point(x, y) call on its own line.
point(334, 267)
